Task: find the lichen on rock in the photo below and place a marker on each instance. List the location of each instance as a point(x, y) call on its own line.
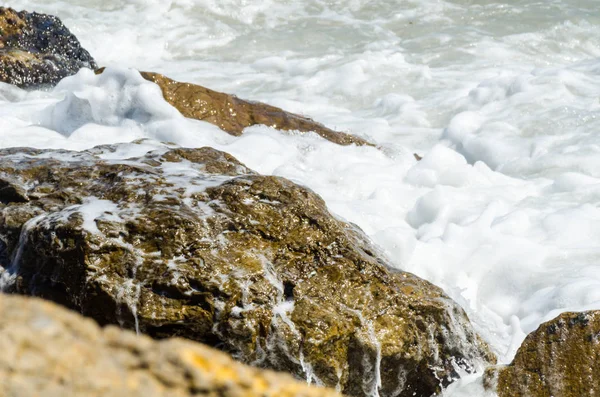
point(561, 358)
point(52, 352)
point(37, 49)
point(191, 243)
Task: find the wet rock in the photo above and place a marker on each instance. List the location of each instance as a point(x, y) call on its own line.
point(9, 192)
point(37, 49)
point(233, 114)
point(561, 358)
point(50, 351)
point(191, 243)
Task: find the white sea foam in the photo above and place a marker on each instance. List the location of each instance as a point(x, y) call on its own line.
point(502, 101)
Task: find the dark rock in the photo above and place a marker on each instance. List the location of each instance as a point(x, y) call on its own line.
point(37, 49)
point(11, 193)
point(561, 358)
point(190, 242)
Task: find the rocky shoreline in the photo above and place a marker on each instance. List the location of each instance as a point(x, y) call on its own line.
point(192, 243)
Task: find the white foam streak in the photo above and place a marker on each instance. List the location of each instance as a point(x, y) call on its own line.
point(8, 276)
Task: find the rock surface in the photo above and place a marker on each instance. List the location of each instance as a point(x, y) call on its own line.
point(52, 352)
point(37, 49)
point(233, 114)
point(561, 359)
point(190, 242)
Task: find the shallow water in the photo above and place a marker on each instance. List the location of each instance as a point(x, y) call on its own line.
point(501, 99)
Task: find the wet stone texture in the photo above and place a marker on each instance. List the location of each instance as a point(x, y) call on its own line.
point(52, 352)
point(561, 359)
point(191, 243)
point(37, 49)
point(233, 114)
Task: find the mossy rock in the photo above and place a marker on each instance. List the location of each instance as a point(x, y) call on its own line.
point(191, 243)
point(561, 359)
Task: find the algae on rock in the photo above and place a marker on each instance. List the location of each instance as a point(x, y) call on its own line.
point(561, 358)
point(191, 243)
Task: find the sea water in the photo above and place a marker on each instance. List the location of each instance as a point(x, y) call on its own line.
point(501, 98)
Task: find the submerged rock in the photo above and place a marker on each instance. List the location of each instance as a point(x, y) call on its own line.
point(561, 358)
point(191, 243)
point(233, 114)
point(37, 49)
point(50, 351)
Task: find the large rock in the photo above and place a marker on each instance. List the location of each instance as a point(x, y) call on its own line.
point(37, 49)
point(233, 114)
point(52, 352)
point(190, 242)
point(561, 359)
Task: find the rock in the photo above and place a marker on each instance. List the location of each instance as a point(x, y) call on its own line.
point(50, 351)
point(191, 243)
point(37, 49)
point(233, 114)
point(561, 358)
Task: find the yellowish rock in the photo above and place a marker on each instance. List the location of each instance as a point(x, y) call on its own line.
point(10, 23)
point(561, 359)
point(233, 114)
point(50, 351)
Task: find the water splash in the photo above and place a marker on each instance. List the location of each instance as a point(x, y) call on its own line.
point(8, 276)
